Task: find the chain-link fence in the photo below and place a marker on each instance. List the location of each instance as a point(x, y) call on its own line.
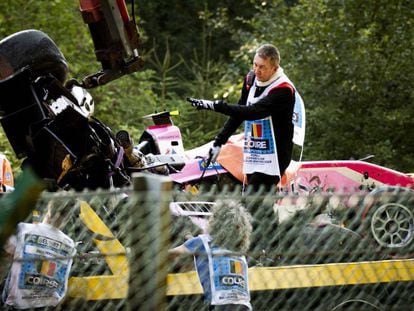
point(325, 251)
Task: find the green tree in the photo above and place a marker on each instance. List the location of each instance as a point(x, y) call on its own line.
point(352, 62)
point(197, 37)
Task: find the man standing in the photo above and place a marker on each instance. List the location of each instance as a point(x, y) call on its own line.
point(266, 105)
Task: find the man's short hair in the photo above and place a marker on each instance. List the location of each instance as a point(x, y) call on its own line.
point(269, 51)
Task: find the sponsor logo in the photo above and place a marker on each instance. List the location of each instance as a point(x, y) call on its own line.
point(43, 241)
point(232, 280)
point(258, 144)
point(8, 176)
point(211, 166)
point(295, 117)
point(40, 280)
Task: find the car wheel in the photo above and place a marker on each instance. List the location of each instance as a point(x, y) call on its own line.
point(356, 304)
point(354, 299)
point(392, 226)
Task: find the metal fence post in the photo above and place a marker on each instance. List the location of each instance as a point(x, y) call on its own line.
point(150, 242)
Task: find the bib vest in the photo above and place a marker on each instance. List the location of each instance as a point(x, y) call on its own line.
point(260, 152)
point(228, 276)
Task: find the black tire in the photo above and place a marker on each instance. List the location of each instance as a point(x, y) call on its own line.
point(35, 49)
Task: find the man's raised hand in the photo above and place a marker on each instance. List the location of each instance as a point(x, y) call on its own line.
point(202, 103)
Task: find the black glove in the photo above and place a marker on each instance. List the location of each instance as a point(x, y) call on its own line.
point(203, 103)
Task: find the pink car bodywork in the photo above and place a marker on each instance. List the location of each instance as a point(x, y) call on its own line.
point(345, 176)
point(305, 176)
point(169, 142)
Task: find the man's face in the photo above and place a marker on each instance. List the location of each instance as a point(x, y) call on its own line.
point(263, 69)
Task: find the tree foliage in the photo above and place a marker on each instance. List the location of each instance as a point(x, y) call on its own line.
point(350, 60)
